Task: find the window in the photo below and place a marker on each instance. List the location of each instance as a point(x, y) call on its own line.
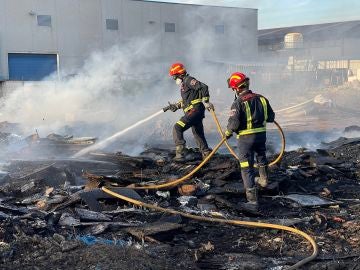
point(44, 20)
point(112, 24)
point(219, 29)
point(169, 27)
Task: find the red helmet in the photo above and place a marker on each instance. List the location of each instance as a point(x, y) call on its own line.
point(177, 69)
point(237, 79)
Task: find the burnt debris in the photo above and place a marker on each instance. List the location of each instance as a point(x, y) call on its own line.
point(53, 213)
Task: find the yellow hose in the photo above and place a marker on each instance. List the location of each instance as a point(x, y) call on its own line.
point(283, 144)
point(226, 221)
point(296, 106)
point(283, 141)
point(216, 120)
point(174, 182)
point(218, 220)
point(182, 179)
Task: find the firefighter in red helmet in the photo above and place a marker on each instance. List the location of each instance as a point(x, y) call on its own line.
point(195, 99)
point(248, 117)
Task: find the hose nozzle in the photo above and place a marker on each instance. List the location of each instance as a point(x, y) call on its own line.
point(166, 108)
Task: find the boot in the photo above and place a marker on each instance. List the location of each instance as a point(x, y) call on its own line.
point(252, 201)
point(205, 153)
point(262, 181)
point(180, 152)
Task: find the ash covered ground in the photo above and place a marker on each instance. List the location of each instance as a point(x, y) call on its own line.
point(52, 214)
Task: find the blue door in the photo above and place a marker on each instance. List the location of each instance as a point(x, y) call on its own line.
point(31, 67)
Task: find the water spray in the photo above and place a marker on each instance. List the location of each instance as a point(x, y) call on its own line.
point(112, 138)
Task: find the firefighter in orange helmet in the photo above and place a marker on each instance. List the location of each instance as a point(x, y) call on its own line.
point(248, 117)
point(195, 99)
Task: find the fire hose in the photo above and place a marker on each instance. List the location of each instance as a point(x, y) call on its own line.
point(272, 163)
point(172, 183)
point(226, 221)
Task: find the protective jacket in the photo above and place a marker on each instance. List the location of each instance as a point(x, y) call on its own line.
point(249, 114)
point(193, 93)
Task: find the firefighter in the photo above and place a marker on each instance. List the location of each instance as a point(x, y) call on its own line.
point(195, 99)
point(247, 118)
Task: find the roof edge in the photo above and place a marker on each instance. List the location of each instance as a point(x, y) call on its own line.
point(188, 4)
point(292, 26)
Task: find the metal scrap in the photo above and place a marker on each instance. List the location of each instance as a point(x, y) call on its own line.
point(308, 200)
point(85, 214)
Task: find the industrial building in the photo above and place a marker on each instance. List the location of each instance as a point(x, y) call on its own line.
point(43, 37)
point(327, 53)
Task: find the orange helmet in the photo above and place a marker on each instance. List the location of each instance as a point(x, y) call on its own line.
point(237, 79)
point(177, 69)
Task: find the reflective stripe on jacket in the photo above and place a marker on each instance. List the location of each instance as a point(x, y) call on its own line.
point(249, 114)
point(193, 92)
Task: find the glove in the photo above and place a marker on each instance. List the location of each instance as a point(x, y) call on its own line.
point(228, 134)
point(209, 106)
point(173, 107)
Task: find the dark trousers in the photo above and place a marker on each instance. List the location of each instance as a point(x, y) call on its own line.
point(248, 146)
point(194, 119)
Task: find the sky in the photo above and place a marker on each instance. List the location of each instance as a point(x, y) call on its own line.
point(282, 13)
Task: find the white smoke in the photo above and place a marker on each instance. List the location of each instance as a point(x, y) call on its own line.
point(124, 84)
point(113, 88)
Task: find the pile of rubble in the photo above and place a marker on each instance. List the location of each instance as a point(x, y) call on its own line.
point(53, 215)
point(14, 145)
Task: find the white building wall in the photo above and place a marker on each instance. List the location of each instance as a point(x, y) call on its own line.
point(112, 9)
point(2, 35)
point(79, 27)
point(70, 48)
